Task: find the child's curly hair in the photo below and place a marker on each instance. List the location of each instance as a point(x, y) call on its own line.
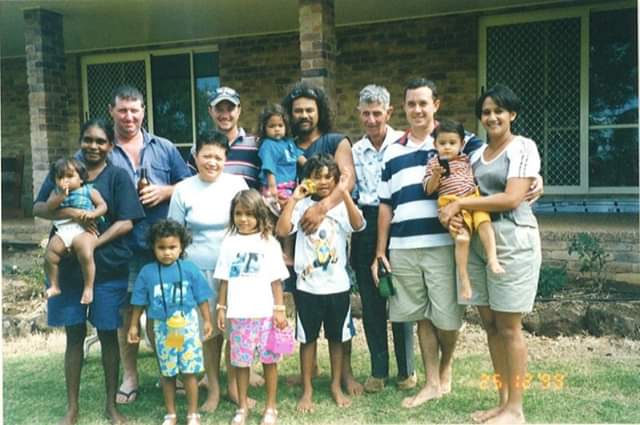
point(166, 228)
point(251, 200)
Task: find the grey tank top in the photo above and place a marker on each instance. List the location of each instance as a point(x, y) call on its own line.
point(492, 178)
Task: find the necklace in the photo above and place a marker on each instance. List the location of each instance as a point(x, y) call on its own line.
point(494, 149)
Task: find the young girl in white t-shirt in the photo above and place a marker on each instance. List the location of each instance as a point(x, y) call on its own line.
point(251, 270)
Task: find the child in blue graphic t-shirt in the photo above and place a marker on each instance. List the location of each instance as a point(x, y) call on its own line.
point(171, 289)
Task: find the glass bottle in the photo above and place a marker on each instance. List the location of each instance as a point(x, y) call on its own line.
point(385, 287)
point(143, 181)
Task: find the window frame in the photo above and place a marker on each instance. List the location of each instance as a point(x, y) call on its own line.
point(583, 13)
point(104, 58)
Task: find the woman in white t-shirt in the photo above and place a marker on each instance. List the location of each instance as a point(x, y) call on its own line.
point(201, 203)
point(504, 168)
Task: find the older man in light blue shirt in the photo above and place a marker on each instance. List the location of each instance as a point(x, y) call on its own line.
point(375, 111)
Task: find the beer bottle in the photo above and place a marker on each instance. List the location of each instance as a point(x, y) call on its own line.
point(385, 287)
point(144, 179)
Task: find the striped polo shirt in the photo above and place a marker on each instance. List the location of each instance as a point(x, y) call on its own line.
point(243, 159)
point(460, 180)
point(415, 221)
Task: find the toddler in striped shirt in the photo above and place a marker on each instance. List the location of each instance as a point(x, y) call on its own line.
point(450, 174)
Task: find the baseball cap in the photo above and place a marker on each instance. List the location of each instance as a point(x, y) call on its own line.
point(224, 93)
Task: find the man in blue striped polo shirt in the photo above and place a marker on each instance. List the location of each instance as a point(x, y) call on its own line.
point(421, 256)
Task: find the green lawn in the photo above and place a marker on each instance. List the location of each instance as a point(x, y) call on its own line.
point(596, 389)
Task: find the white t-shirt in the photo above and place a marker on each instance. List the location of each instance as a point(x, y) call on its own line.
point(250, 263)
point(203, 207)
point(321, 258)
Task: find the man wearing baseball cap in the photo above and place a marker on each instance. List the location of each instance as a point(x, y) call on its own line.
point(242, 159)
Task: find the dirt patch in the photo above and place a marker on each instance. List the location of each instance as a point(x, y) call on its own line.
point(22, 297)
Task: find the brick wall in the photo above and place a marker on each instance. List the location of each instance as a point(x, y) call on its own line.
point(443, 49)
point(15, 131)
point(15, 119)
point(262, 68)
point(623, 249)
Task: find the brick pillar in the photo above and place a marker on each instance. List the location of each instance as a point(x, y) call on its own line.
point(44, 47)
point(318, 44)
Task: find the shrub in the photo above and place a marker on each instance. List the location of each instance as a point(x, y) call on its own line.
point(592, 258)
point(552, 279)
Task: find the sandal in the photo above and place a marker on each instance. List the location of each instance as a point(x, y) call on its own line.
point(270, 417)
point(170, 419)
point(240, 417)
point(193, 419)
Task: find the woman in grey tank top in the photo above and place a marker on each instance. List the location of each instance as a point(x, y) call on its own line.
point(504, 168)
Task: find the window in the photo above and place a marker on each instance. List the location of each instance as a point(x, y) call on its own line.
point(176, 85)
point(576, 71)
point(613, 99)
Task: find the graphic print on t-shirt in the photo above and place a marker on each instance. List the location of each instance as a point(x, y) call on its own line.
point(246, 264)
point(322, 246)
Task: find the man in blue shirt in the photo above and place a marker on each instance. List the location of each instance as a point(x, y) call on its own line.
point(135, 149)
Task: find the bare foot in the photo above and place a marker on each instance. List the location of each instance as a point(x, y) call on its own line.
point(87, 296)
point(70, 418)
point(507, 417)
point(339, 397)
point(495, 267)
point(255, 379)
point(351, 386)
point(204, 382)
point(445, 380)
point(233, 398)
point(115, 417)
point(305, 404)
point(481, 416)
point(465, 289)
point(425, 394)
point(211, 403)
point(52, 292)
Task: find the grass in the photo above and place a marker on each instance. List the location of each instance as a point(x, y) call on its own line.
point(595, 389)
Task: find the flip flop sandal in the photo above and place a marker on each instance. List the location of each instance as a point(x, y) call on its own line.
point(170, 419)
point(193, 419)
point(240, 417)
point(270, 417)
point(130, 397)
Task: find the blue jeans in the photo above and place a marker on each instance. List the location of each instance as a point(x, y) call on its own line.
point(374, 307)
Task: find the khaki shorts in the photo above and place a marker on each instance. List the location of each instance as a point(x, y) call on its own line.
point(519, 253)
point(425, 283)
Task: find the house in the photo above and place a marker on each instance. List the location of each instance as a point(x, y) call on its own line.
point(573, 62)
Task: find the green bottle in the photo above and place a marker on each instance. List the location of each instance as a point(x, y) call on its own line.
point(385, 287)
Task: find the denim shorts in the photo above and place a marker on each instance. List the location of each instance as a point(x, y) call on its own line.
point(104, 313)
